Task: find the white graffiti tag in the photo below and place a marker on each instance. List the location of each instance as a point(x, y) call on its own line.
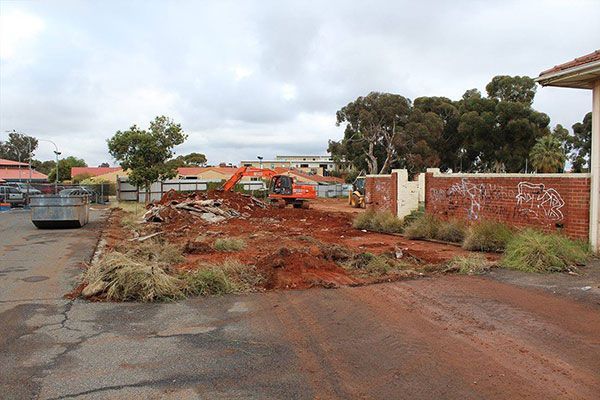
point(471, 191)
point(535, 200)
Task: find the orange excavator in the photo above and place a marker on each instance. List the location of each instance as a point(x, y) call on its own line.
point(282, 188)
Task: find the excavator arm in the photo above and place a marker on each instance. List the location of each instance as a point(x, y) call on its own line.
point(246, 171)
point(235, 178)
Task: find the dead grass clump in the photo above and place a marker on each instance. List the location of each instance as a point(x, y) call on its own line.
point(231, 276)
point(208, 281)
point(372, 264)
point(229, 244)
point(425, 227)
point(534, 251)
point(487, 236)
point(451, 231)
point(335, 252)
point(363, 220)
point(378, 222)
point(125, 278)
point(163, 253)
point(472, 264)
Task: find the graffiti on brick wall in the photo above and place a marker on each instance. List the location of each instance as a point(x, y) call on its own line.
point(534, 200)
point(526, 200)
point(473, 193)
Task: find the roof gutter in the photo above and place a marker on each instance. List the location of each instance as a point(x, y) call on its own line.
point(571, 72)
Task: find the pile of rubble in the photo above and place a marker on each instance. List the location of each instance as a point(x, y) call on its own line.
point(212, 207)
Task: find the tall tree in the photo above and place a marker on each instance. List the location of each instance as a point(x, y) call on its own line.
point(518, 89)
point(548, 155)
point(43, 166)
point(449, 143)
point(64, 168)
point(498, 134)
point(582, 144)
point(374, 125)
point(419, 146)
point(189, 160)
point(145, 152)
point(562, 135)
point(17, 147)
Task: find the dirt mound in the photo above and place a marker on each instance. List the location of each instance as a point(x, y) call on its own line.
point(210, 207)
point(301, 269)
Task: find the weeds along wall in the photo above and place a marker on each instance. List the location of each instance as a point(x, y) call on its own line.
point(551, 202)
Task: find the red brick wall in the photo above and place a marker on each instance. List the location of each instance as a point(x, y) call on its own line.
point(381, 192)
point(549, 203)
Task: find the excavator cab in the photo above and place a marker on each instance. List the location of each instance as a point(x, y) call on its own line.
point(281, 185)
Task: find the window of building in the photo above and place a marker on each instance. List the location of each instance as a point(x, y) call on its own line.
point(303, 165)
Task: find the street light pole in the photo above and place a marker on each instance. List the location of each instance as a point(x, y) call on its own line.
point(57, 154)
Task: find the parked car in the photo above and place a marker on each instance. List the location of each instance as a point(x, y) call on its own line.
point(11, 195)
point(24, 188)
point(79, 191)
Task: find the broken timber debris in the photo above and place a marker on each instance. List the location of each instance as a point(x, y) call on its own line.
point(198, 206)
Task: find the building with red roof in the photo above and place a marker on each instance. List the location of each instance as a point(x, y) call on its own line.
point(14, 171)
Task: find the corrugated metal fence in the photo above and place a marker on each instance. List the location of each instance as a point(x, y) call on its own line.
point(128, 192)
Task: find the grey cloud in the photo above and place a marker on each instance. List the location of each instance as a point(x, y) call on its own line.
point(100, 67)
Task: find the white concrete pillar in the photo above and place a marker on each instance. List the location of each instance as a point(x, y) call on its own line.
point(595, 170)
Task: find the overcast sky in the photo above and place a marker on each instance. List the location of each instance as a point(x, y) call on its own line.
point(248, 78)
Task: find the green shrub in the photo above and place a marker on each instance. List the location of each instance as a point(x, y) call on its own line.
point(229, 244)
point(469, 265)
point(451, 231)
point(383, 221)
point(535, 251)
point(487, 236)
point(425, 227)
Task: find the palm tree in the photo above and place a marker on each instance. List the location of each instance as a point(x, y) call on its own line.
point(548, 155)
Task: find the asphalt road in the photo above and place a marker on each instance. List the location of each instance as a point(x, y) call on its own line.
point(447, 338)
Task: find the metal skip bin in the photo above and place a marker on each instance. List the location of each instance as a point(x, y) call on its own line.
point(50, 212)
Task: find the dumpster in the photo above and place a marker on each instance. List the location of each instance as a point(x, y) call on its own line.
point(54, 211)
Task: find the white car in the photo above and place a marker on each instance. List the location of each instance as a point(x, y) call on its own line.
point(11, 195)
point(24, 188)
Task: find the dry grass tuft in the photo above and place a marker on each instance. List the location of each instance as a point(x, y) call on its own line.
point(473, 264)
point(378, 222)
point(425, 227)
point(229, 244)
point(487, 236)
point(535, 251)
point(125, 278)
point(231, 276)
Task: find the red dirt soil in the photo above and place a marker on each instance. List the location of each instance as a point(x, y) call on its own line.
point(286, 243)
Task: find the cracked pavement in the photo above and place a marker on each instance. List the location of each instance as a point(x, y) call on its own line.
point(449, 337)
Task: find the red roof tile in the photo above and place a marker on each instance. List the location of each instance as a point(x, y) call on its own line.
point(4, 163)
point(199, 170)
point(13, 173)
point(588, 58)
point(93, 171)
